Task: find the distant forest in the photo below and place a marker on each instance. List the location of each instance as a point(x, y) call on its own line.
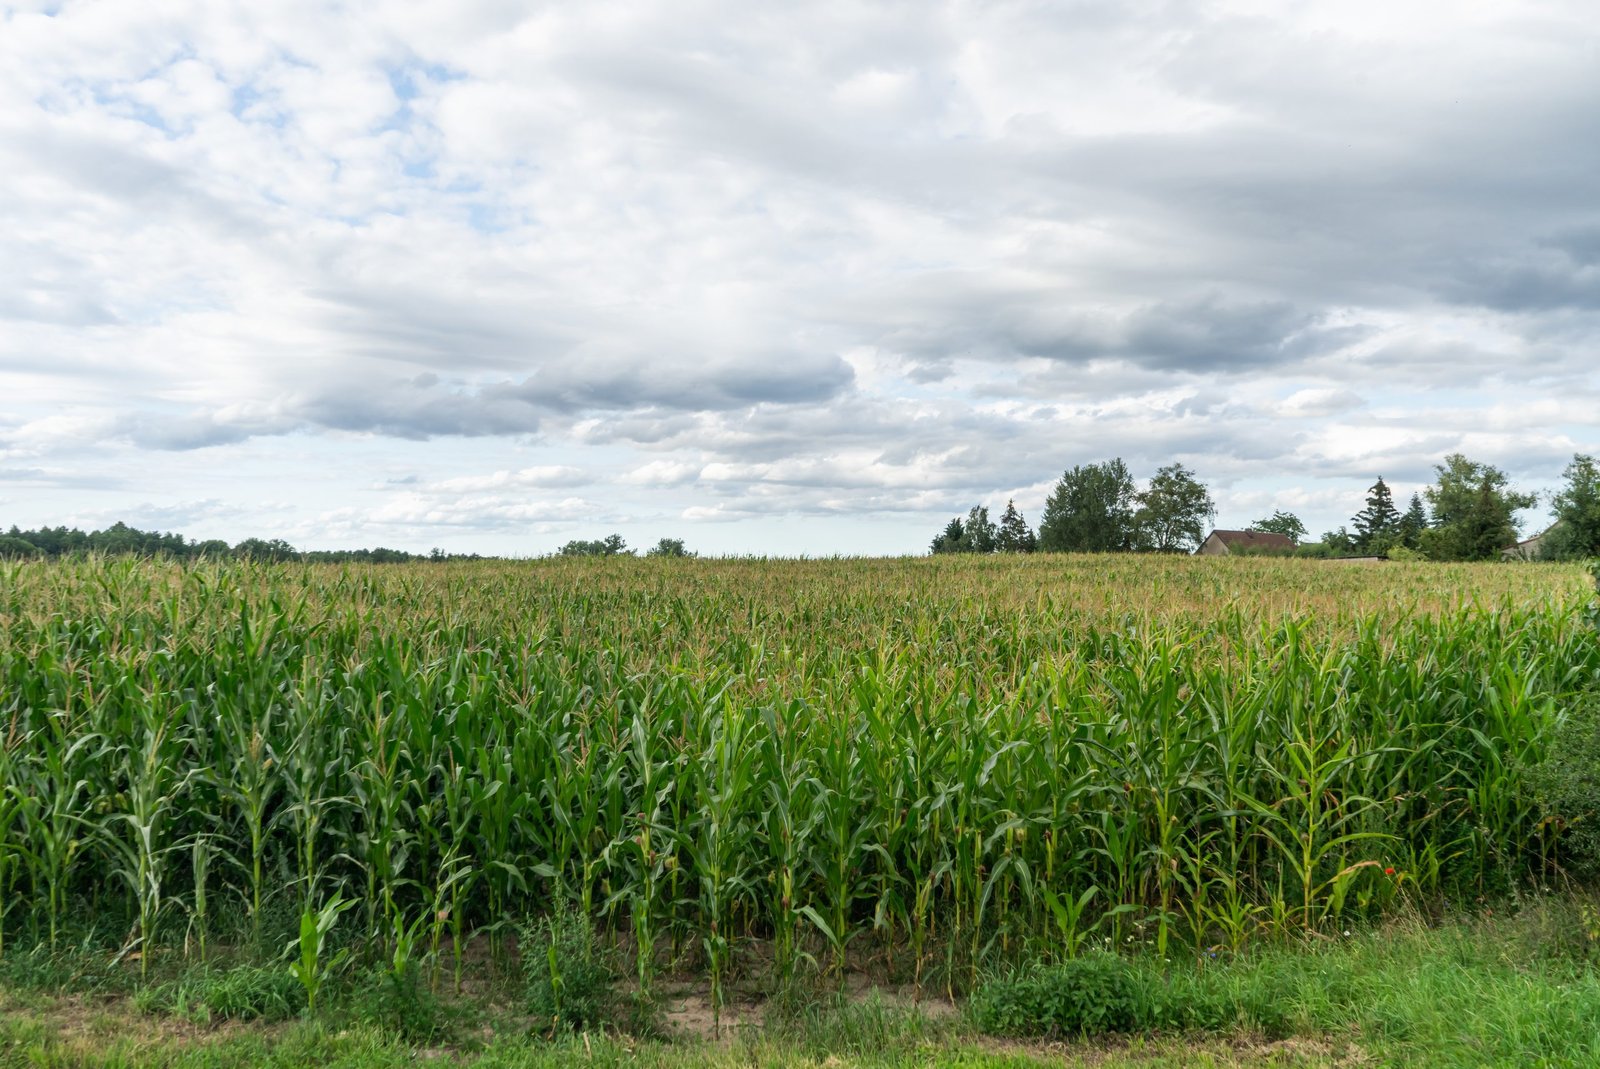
point(121, 540)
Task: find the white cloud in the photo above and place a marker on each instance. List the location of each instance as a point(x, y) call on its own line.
point(662, 473)
point(1321, 401)
point(848, 261)
point(539, 477)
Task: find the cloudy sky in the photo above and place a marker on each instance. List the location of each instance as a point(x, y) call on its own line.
point(781, 278)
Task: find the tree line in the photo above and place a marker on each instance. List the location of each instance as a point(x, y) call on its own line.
point(1094, 508)
point(122, 540)
point(613, 545)
point(1468, 513)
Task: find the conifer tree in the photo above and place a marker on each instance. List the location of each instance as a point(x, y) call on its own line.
point(1413, 523)
point(1378, 525)
point(1015, 535)
point(949, 540)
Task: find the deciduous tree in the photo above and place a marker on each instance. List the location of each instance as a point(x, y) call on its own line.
point(1474, 511)
point(668, 547)
point(1284, 523)
point(612, 545)
point(1173, 511)
point(1091, 510)
point(1576, 532)
point(978, 534)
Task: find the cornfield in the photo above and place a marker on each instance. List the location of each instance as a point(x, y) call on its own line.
point(925, 764)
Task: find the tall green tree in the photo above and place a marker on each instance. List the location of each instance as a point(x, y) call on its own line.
point(1284, 523)
point(1338, 543)
point(1378, 525)
point(949, 540)
point(1576, 531)
point(1474, 511)
point(668, 547)
point(978, 533)
point(1091, 510)
point(612, 545)
point(1413, 523)
point(1015, 535)
point(1173, 511)
point(275, 549)
point(975, 534)
point(12, 546)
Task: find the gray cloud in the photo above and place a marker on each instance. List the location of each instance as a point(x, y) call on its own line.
point(606, 384)
point(419, 408)
point(58, 478)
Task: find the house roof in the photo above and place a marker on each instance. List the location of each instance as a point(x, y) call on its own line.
point(1252, 540)
point(1533, 539)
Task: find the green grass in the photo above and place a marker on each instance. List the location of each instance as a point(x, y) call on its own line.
point(239, 993)
point(1515, 989)
point(356, 1049)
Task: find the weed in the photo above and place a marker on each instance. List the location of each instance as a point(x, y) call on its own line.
point(569, 977)
point(1567, 784)
point(1088, 995)
point(238, 993)
point(401, 1005)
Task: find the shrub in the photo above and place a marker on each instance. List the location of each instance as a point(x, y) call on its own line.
point(11, 546)
point(569, 976)
point(1567, 785)
point(1090, 995)
point(1187, 1000)
point(399, 1003)
point(1551, 929)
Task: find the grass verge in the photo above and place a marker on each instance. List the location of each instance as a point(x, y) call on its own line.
point(1515, 989)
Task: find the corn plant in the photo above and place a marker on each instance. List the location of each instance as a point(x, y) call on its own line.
point(136, 836)
point(309, 961)
point(53, 816)
point(1068, 913)
point(201, 851)
point(719, 845)
point(251, 788)
point(13, 850)
point(651, 775)
point(901, 761)
point(789, 823)
point(1310, 821)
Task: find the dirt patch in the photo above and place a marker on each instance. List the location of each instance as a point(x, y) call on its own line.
point(1242, 1052)
point(686, 1007)
point(689, 1015)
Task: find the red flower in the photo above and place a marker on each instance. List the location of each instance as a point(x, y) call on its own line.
point(1389, 871)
